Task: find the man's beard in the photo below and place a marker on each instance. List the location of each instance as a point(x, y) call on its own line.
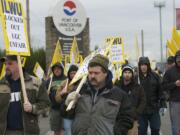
point(127, 79)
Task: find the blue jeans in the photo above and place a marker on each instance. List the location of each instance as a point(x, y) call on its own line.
point(67, 126)
point(154, 121)
point(174, 116)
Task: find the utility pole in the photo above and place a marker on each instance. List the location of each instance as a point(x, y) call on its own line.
point(160, 5)
point(142, 42)
point(28, 21)
point(174, 13)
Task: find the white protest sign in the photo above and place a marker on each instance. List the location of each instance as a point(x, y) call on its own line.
point(116, 53)
point(14, 28)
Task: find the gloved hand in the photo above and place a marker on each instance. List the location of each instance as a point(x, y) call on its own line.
point(162, 111)
point(73, 96)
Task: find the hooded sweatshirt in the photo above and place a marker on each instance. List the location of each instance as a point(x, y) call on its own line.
point(152, 88)
point(56, 82)
point(135, 93)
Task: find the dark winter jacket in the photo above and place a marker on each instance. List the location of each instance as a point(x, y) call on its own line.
point(107, 111)
point(169, 79)
point(56, 82)
point(136, 95)
point(61, 98)
point(152, 88)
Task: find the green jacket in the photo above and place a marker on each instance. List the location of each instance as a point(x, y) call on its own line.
point(37, 96)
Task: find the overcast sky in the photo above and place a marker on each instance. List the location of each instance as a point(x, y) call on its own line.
point(123, 18)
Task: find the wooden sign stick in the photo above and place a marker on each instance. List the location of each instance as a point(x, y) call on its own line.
point(77, 91)
point(26, 100)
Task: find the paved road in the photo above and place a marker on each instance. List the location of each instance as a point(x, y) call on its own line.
point(44, 126)
point(165, 124)
point(165, 127)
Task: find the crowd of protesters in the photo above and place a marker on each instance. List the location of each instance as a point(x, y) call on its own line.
point(127, 107)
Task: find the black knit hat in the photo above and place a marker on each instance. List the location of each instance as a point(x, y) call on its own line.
point(99, 60)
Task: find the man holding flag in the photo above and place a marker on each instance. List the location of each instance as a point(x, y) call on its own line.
point(52, 85)
point(16, 117)
point(100, 108)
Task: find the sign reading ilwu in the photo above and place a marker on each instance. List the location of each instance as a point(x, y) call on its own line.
point(14, 28)
point(117, 49)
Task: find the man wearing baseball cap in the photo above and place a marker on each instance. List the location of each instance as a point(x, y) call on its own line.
point(17, 117)
point(101, 108)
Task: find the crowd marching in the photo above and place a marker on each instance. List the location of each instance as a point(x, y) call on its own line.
point(126, 107)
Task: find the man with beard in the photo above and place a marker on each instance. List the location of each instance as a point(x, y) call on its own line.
point(100, 108)
point(135, 93)
point(171, 83)
point(56, 124)
point(16, 117)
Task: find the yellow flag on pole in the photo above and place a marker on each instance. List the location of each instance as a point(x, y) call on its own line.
point(80, 59)
point(2, 73)
point(169, 52)
point(171, 46)
point(58, 55)
point(137, 48)
point(38, 70)
point(23, 61)
point(74, 52)
point(176, 38)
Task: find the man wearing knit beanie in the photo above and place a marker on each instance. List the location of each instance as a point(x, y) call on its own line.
point(101, 61)
point(101, 108)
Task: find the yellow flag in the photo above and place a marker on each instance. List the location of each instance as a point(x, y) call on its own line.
point(176, 38)
point(38, 71)
point(81, 59)
point(137, 48)
point(23, 61)
point(171, 46)
point(74, 53)
point(58, 55)
point(2, 73)
point(169, 52)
